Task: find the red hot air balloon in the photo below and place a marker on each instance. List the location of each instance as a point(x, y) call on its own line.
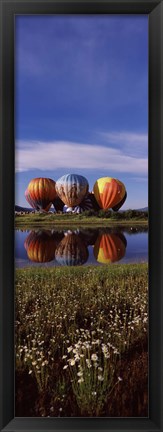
point(108, 192)
point(40, 193)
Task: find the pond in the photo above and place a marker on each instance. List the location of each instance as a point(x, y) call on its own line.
point(85, 246)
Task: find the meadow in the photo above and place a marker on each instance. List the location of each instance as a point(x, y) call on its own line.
point(87, 219)
point(81, 341)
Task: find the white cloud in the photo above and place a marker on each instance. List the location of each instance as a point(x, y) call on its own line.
point(134, 144)
point(128, 137)
point(49, 156)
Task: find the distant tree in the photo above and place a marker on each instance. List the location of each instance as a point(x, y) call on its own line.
point(116, 216)
point(90, 212)
point(102, 213)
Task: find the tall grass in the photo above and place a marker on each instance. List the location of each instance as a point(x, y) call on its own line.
point(74, 327)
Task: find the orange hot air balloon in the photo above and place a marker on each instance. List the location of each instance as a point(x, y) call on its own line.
point(108, 192)
point(120, 204)
point(110, 248)
point(71, 250)
point(40, 246)
point(40, 193)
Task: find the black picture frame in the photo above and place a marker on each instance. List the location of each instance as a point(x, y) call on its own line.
point(154, 9)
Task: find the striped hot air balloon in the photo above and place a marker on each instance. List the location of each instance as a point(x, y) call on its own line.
point(110, 248)
point(86, 204)
point(40, 246)
point(109, 192)
point(71, 251)
point(120, 204)
point(40, 193)
point(71, 189)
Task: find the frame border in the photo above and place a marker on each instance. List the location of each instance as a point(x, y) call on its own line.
point(8, 10)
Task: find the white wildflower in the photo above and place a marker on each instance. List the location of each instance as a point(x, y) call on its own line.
point(72, 362)
point(69, 349)
point(80, 374)
point(94, 357)
point(119, 378)
point(100, 378)
point(80, 380)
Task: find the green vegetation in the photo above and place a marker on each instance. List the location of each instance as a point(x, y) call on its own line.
point(81, 338)
point(87, 218)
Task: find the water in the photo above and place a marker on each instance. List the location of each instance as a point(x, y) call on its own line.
point(96, 246)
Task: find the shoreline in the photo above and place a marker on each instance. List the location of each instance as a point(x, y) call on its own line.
point(117, 269)
point(52, 221)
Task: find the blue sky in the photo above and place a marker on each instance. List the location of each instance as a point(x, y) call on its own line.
point(81, 85)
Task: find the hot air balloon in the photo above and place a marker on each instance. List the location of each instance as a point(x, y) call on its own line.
point(58, 204)
point(118, 206)
point(40, 246)
point(89, 235)
point(27, 196)
point(40, 193)
point(71, 250)
point(109, 248)
point(71, 189)
point(108, 192)
point(95, 204)
point(86, 204)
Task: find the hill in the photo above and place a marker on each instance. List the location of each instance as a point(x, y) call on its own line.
point(143, 209)
point(22, 209)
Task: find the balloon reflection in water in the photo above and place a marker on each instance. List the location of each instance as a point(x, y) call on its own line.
point(71, 250)
point(89, 236)
point(40, 246)
point(110, 248)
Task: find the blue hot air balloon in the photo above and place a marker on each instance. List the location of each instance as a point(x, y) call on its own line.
point(71, 189)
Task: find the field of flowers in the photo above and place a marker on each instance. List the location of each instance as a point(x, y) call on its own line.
point(81, 341)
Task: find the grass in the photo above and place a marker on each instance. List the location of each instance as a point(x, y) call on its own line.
point(76, 330)
point(66, 220)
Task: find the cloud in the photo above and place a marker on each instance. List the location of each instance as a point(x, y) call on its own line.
point(49, 156)
point(134, 144)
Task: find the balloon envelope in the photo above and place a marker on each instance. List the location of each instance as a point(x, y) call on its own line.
point(71, 189)
point(71, 251)
point(118, 206)
point(40, 246)
point(108, 192)
point(86, 204)
point(94, 202)
point(109, 248)
point(30, 201)
point(58, 204)
point(40, 193)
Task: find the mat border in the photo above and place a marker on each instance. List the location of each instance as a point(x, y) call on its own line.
point(8, 10)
